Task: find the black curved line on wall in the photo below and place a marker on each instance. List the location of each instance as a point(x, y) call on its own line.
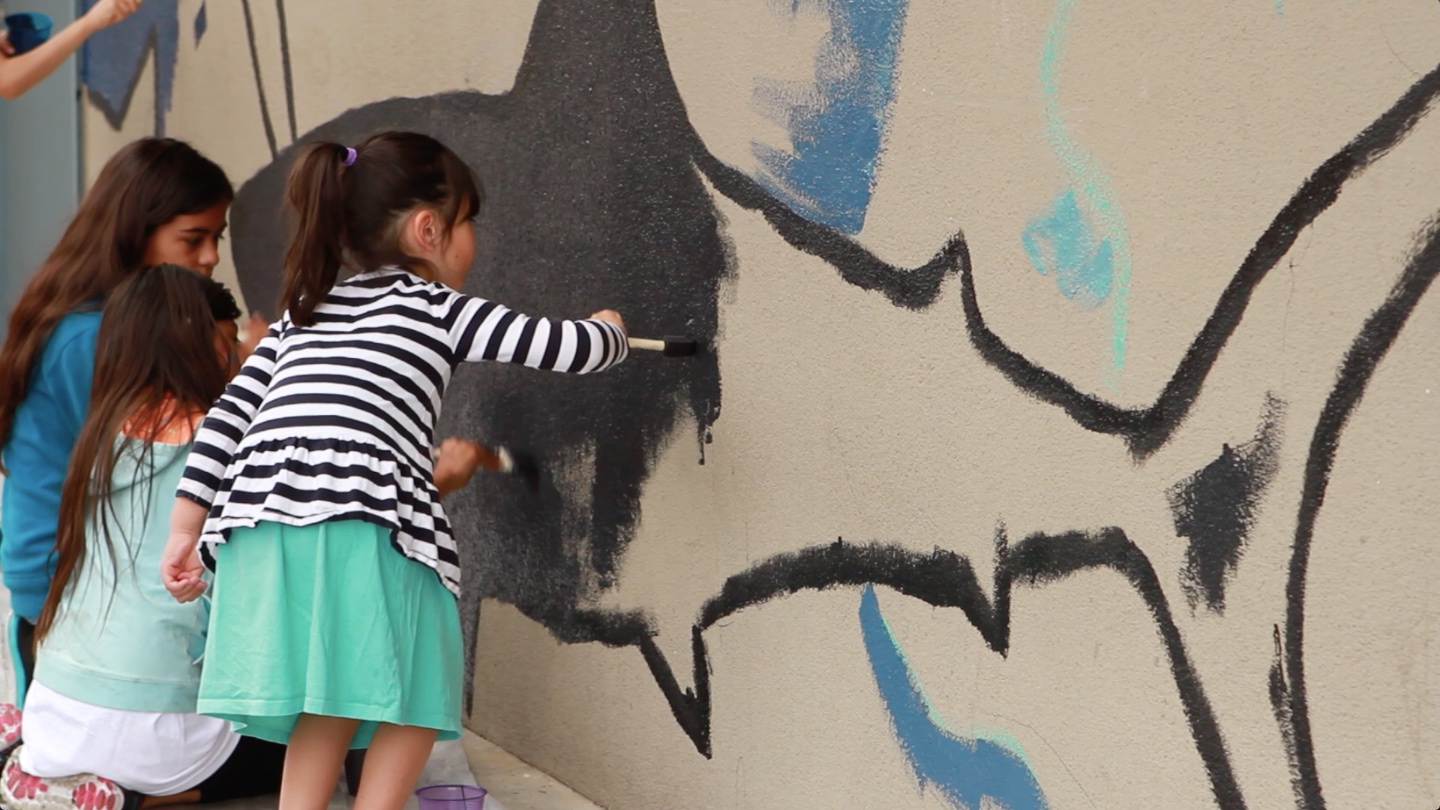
point(1376, 337)
point(911, 289)
point(1145, 430)
point(259, 79)
point(945, 579)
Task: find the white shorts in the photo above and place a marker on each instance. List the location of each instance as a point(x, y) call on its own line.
point(152, 753)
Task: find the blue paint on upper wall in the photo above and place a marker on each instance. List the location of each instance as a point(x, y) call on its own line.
point(966, 771)
point(114, 60)
point(836, 127)
point(202, 24)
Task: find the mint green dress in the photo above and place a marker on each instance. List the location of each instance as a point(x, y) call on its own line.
point(329, 619)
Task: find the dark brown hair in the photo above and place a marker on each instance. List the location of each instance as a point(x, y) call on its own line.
point(350, 216)
point(155, 363)
point(145, 185)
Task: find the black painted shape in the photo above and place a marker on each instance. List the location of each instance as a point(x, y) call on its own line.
point(912, 289)
point(593, 201)
point(1370, 346)
point(1145, 430)
point(1216, 507)
point(945, 579)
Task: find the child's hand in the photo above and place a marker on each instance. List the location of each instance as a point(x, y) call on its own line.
point(610, 316)
point(108, 12)
point(6, 49)
point(455, 464)
point(181, 569)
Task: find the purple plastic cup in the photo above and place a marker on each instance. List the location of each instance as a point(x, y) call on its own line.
point(451, 797)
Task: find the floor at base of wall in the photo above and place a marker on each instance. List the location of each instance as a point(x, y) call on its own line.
point(514, 784)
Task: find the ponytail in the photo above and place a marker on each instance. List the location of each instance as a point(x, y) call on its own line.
point(346, 203)
point(315, 195)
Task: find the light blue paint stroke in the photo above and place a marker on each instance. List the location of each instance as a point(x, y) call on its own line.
point(114, 59)
point(1098, 209)
point(1061, 242)
point(965, 771)
point(836, 128)
point(1279, 8)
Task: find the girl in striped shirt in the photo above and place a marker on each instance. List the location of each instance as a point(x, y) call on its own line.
point(311, 489)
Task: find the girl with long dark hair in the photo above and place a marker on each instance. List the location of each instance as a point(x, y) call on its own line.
point(156, 201)
point(110, 721)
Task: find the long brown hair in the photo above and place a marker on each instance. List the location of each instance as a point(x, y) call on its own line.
point(348, 215)
point(145, 185)
point(155, 363)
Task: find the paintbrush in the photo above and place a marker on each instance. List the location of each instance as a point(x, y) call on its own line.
point(670, 345)
point(507, 462)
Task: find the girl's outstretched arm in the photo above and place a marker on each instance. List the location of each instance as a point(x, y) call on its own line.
point(20, 73)
point(484, 330)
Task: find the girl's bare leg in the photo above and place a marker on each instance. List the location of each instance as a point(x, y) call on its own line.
point(312, 762)
point(392, 766)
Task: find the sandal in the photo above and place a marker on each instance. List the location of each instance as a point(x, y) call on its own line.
point(22, 791)
point(9, 727)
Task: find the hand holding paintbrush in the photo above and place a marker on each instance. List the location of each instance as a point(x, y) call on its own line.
point(456, 461)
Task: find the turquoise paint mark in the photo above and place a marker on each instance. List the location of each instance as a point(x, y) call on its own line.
point(837, 130)
point(1279, 8)
point(966, 770)
point(1096, 229)
point(1062, 243)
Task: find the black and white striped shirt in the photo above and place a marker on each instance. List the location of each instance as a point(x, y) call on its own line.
point(336, 421)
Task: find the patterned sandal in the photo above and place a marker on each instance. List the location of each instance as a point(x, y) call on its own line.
point(9, 728)
point(22, 791)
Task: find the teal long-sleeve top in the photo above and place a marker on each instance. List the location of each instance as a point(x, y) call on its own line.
point(37, 454)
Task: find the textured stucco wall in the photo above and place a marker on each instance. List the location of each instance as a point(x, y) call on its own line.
point(1068, 411)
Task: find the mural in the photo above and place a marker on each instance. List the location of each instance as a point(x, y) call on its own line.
point(603, 190)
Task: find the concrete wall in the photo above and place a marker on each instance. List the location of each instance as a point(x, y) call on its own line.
point(1066, 433)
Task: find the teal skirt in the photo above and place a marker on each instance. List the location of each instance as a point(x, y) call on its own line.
point(329, 619)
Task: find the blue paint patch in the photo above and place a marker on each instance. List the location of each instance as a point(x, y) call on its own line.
point(114, 60)
point(1061, 242)
point(1089, 214)
point(965, 771)
point(836, 128)
point(1279, 8)
point(202, 24)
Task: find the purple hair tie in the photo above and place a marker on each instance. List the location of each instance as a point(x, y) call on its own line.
point(350, 155)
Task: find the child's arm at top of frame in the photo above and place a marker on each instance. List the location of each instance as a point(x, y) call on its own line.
point(484, 330)
point(20, 73)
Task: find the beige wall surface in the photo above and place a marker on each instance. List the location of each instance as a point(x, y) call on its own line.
point(1066, 427)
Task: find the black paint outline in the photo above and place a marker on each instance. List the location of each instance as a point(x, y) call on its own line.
point(1147, 429)
point(259, 81)
point(943, 578)
point(912, 289)
point(1374, 340)
point(285, 67)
